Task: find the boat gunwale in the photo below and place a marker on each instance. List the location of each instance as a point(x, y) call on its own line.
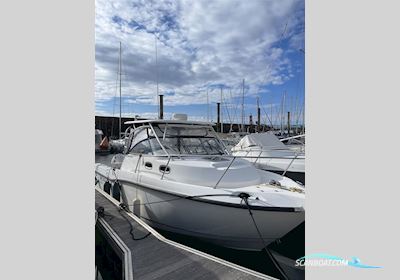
point(214, 202)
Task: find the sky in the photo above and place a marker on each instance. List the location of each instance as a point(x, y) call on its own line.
point(195, 50)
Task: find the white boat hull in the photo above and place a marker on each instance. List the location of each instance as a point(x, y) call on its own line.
point(225, 225)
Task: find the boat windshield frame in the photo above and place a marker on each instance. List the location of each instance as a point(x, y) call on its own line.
point(206, 148)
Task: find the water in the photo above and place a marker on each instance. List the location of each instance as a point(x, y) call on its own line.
point(291, 245)
point(108, 264)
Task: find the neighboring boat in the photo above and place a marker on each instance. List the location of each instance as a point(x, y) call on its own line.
point(228, 140)
point(267, 152)
point(101, 142)
point(177, 176)
point(295, 143)
point(117, 145)
point(229, 143)
point(231, 139)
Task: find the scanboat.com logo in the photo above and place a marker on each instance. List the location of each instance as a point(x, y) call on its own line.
point(329, 260)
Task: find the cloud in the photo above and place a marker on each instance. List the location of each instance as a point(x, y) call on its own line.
point(200, 44)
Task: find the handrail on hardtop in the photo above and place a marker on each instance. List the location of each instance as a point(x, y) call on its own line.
point(212, 156)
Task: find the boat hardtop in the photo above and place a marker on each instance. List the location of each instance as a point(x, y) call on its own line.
point(173, 121)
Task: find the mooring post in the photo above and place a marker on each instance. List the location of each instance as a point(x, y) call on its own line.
point(218, 117)
point(161, 111)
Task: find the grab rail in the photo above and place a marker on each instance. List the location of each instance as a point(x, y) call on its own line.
point(287, 168)
point(226, 170)
point(162, 176)
point(214, 156)
point(158, 140)
point(257, 157)
point(171, 156)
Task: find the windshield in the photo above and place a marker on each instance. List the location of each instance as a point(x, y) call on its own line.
point(180, 139)
point(184, 139)
point(192, 145)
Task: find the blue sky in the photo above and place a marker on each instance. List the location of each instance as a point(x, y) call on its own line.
point(202, 46)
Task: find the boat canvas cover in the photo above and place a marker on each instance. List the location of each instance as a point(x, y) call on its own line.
point(262, 140)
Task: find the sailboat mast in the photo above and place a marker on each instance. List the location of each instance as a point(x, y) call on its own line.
point(243, 106)
point(234, 113)
point(158, 105)
point(258, 115)
point(222, 121)
point(304, 118)
point(282, 111)
point(208, 108)
point(273, 119)
point(120, 86)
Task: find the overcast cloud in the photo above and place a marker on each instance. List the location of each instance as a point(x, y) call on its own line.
point(201, 44)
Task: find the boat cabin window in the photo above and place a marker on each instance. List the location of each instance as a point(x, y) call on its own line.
point(189, 139)
point(148, 146)
point(142, 148)
point(177, 139)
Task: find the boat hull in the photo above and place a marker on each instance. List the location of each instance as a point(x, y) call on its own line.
point(224, 225)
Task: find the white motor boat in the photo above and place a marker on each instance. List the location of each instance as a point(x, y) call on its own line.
point(267, 152)
point(176, 176)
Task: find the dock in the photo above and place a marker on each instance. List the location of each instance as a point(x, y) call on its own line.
point(147, 255)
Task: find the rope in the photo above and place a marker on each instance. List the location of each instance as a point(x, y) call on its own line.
point(244, 197)
point(100, 213)
point(123, 208)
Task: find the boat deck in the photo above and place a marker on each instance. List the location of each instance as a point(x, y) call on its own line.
point(156, 257)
